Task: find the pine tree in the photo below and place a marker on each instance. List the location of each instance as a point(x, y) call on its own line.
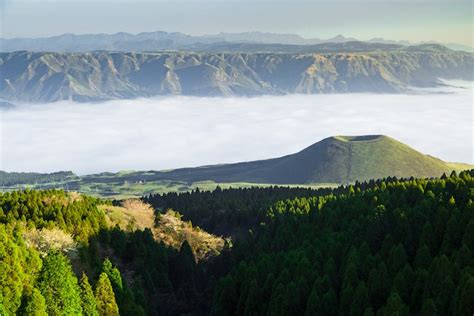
point(397, 259)
point(89, 304)
point(466, 301)
point(186, 268)
point(451, 201)
point(276, 306)
point(444, 298)
point(427, 239)
point(312, 306)
point(244, 290)
point(418, 288)
point(361, 299)
point(395, 306)
point(225, 298)
point(428, 308)
point(403, 283)
point(58, 284)
point(345, 300)
point(330, 270)
point(292, 300)
point(464, 257)
point(252, 303)
point(36, 304)
point(114, 275)
point(329, 303)
point(468, 237)
point(423, 257)
point(105, 297)
point(350, 276)
point(266, 292)
point(377, 286)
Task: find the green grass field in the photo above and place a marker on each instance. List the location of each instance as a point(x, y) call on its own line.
point(124, 189)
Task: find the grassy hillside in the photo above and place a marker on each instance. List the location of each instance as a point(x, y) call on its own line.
point(381, 156)
point(136, 184)
point(340, 159)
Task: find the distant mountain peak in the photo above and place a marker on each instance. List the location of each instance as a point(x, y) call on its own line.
point(339, 37)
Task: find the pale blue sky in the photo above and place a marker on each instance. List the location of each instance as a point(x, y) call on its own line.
point(445, 21)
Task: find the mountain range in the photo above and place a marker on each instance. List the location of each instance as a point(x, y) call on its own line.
point(281, 69)
point(159, 40)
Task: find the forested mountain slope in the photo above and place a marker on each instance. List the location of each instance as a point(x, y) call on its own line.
point(12, 178)
point(60, 255)
point(97, 76)
point(390, 248)
point(385, 247)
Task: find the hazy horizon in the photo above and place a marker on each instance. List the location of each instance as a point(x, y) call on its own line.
point(470, 44)
point(442, 21)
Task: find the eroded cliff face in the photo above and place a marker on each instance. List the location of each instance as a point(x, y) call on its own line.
point(97, 76)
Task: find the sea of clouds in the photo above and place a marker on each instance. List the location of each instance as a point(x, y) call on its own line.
point(172, 132)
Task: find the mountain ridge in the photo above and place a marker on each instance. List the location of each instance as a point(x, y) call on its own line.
point(342, 68)
point(123, 41)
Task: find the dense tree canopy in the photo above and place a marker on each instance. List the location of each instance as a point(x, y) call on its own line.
point(14, 178)
point(19, 265)
point(385, 247)
point(229, 211)
point(73, 213)
point(396, 247)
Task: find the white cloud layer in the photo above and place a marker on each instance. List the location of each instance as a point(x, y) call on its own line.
point(172, 132)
